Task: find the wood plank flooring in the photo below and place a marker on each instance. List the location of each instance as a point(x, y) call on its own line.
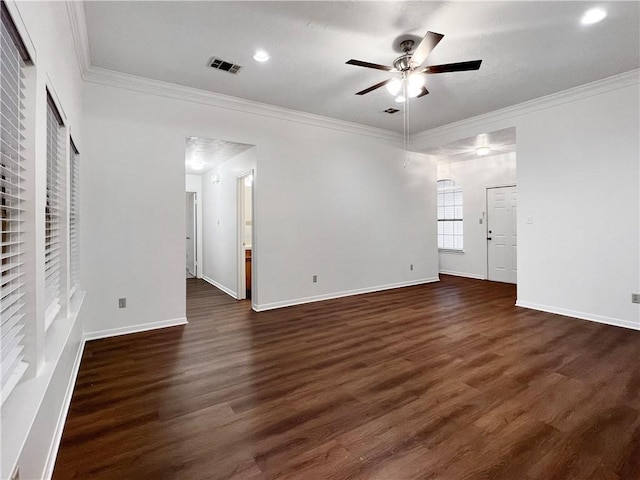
point(446, 381)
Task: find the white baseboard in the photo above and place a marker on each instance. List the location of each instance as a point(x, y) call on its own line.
point(581, 315)
point(348, 293)
point(143, 327)
point(226, 290)
point(62, 417)
point(462, 274)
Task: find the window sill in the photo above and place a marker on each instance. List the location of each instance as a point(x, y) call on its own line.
point(450, 250)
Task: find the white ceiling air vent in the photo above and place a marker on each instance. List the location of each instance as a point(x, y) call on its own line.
point(220, 64)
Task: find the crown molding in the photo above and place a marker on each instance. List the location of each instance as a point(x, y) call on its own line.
point(101, 76)
point(135, 83)
point(430, 137)
point(623, 80)
point(78, 23)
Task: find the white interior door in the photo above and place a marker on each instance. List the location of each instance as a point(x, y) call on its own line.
point(191, 233)
point(502, 206)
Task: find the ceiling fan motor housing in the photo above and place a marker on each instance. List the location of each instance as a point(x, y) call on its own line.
point(403, 63)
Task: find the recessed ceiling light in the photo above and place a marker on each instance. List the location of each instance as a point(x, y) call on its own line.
point(197, 165)
point(261, 56)
point(482, 151)
point(593, 15)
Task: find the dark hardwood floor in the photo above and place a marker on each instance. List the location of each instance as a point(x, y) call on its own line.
point(446, 381)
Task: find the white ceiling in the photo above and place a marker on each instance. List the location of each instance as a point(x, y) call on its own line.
point(499, 142)
point(209, 153)
point(529, 49)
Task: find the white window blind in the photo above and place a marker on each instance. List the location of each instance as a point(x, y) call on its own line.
point(52, 255)
point(450, 220)
point(13, 58)
point(74, 218)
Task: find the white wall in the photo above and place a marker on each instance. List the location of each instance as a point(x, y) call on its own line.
point(219, 211)
point(474, 176)
point(578, 177)
point(328, 202)
point(33, 415)
point(193, 183)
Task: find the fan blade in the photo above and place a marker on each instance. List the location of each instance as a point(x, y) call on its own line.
point(453, 67)
point(371, 89)
point(423, 92)
point(360, 63)
point(423, 50)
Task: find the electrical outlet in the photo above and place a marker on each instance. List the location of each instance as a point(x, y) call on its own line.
point(411, 267)
point(315, 279)
point(635, 297)
point(122, 302)
point(15, 475)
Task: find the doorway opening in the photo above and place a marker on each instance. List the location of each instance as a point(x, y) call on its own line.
point(245, 234)
point(219, 178)
point(192, 234)
point(467, 171)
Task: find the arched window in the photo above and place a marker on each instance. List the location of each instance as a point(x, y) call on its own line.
point(450, 233)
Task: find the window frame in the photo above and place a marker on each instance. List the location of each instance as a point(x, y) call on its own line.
point(450, 211)
point(74, 218)
point(14, 195)
point(54, 241)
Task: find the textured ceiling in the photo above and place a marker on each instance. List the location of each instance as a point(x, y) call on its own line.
point(209, 153)
point(499, 142)
point(529, 49)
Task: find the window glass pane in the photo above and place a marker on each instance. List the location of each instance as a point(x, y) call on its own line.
point(448, 241)
point(450, 213)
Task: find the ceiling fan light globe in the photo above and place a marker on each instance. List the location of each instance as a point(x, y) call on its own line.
point(482, 151)
point(413, 91)
point(416, 79)
point(394, 86)
point(400, 99)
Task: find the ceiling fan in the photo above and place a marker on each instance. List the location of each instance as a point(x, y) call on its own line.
point(411, 80)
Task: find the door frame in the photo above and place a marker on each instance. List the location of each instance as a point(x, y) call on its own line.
point(486, 221)
point(196, 232)
point(240, 228)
